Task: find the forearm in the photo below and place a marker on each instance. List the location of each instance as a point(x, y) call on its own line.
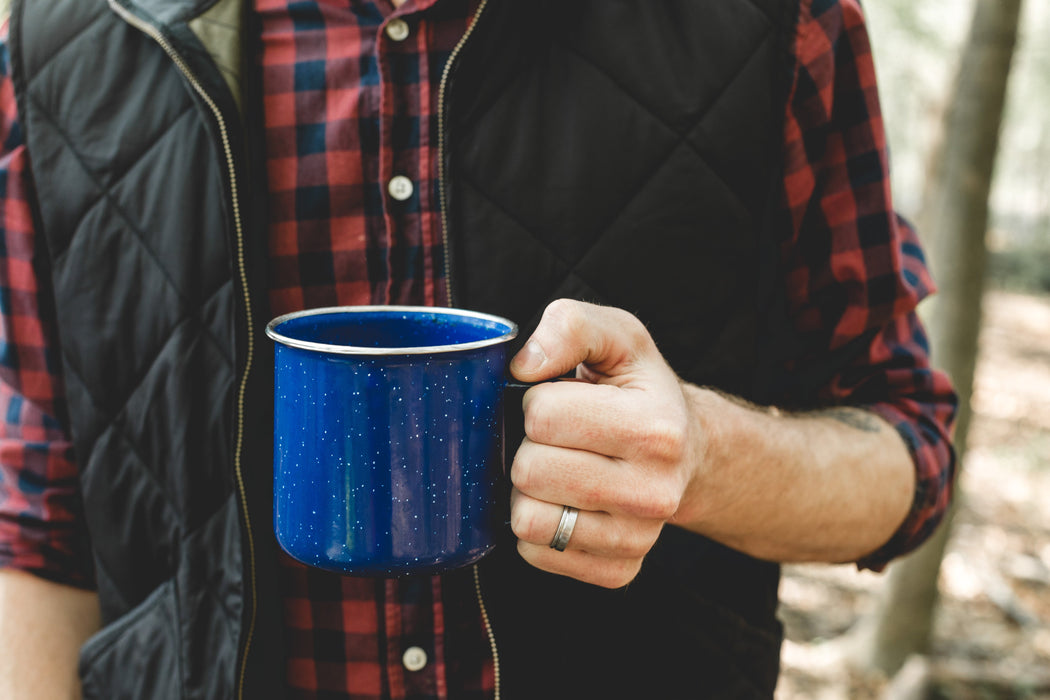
point(42, 626)
point(824, 486)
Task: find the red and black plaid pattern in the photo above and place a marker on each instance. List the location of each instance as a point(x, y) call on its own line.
point(854, 269)
point(348, 636)
point(349, 104)
point(346, 109)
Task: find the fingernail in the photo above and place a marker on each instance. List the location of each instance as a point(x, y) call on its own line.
point(531, 357)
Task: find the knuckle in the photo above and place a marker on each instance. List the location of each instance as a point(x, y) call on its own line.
point(524, 522)
point(643, 542)
point(665, 438)
point(664, 503)
point(563, 313)
point(628, 542)
point(635, 331)
point(522, 471)
point(655, 500)
point(616, 538)
point(563, 318)
point(531, 423)
point(537, 418)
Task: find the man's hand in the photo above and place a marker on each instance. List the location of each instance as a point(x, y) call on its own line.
point(620, 445)
point(633, 448)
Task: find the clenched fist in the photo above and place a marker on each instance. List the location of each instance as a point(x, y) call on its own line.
point(619, 444)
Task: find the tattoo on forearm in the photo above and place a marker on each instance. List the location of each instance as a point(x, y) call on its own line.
point(853, 417)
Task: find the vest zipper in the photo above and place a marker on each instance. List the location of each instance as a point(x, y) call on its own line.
point(443, 201)
point(488, 629)
point(442, 196)
point(154, 33)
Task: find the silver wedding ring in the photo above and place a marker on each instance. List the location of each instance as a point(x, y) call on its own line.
point(565, 528)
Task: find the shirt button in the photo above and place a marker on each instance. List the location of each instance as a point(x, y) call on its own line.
point(397, 29)
point(400, 188)
point(414, 659)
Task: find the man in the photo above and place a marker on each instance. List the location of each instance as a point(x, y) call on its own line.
point(178, 173)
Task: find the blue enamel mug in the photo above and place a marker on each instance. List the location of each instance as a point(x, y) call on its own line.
point(388, 436)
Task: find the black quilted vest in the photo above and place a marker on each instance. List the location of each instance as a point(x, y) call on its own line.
point(618, 151)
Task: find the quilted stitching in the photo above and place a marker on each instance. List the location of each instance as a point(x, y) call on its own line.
point(682, 140)
point(192, 311)
point(112, 419)
point(71, 41)
point(105, 195)
point(111, 423)
point(136, 231)
point(716, 100)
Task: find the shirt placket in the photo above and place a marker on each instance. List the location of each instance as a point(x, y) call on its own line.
point(401, 50)
point(414, 669)
point(414, 653)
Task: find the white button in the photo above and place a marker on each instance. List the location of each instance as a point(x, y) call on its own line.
point(414, 659)
point(397, 29)
point(400, 188)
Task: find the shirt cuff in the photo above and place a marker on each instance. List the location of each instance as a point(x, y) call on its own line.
point(934, 459)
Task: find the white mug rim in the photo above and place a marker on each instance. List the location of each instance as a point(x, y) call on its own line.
point(331, 348)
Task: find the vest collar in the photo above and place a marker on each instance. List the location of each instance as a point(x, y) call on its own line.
point(167, 12)
point(188, 25)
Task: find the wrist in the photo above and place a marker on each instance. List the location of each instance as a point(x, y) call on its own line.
point(732, 437)
point(714, 419)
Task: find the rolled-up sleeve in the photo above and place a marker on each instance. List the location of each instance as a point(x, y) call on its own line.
point(854, 270)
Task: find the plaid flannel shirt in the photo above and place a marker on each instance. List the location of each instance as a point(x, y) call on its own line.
point(350, 93)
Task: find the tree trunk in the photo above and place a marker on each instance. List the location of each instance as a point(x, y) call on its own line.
point(953, 222)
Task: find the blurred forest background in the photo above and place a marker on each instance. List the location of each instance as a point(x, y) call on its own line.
point(991, 630)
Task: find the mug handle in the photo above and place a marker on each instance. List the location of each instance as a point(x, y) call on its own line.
point(526, 386)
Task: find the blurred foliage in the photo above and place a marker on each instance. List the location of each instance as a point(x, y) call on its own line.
point(1021, 268)
point(916, 46)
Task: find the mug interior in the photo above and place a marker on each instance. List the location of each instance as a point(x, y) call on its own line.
point(400, 329)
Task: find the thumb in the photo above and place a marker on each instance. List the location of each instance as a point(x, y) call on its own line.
point(608, 341)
